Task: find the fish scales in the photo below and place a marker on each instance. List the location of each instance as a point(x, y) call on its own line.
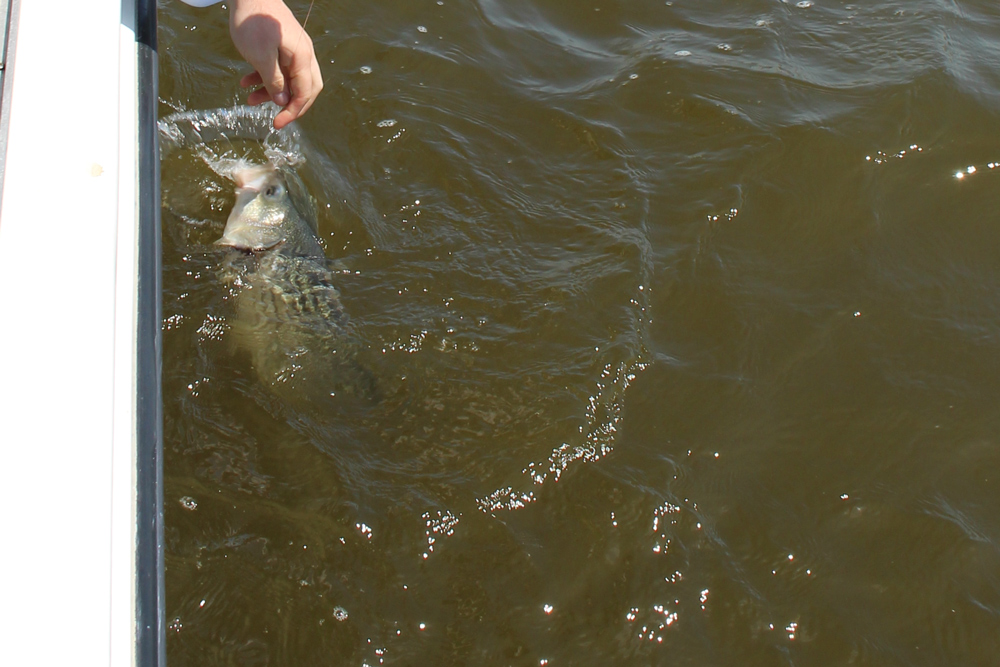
point(297, 289)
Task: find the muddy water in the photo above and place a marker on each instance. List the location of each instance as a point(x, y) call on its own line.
point(686, 326)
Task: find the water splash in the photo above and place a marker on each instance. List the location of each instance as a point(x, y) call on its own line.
point(218, 136)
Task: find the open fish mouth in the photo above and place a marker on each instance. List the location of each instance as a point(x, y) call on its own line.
point(252, 178)
point(249, 249)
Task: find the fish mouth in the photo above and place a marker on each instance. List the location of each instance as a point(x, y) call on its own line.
point(246, 249)
point(249, 184)
point(252, 178)
point(243, 234)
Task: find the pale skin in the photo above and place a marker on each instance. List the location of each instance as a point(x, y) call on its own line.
point(269, 37)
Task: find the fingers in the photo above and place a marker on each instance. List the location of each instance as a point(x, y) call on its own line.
point(281, 53)
point(258, 96)
point(269, 71)
point(305, 83)
point(250, 80)
point(258, 34)
point(263, 93)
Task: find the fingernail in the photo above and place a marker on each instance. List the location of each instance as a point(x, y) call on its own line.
point(281, 99)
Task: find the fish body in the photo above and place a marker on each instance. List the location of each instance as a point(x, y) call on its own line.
point(288, 313)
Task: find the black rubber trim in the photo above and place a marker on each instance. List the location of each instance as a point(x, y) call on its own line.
point(150, 599)
point(145, 23)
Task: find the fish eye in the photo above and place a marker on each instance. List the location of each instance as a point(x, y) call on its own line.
point(272, 191)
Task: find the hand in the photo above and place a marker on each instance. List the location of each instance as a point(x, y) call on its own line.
point(266, 33)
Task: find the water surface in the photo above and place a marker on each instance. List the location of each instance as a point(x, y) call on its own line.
point(686, 327)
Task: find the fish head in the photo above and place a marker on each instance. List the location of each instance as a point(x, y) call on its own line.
point(264, 216)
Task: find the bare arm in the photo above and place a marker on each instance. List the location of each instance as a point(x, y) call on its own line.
point(267, 34)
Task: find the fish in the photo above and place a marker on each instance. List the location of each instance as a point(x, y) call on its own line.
point(273, 211)
point(288, 316)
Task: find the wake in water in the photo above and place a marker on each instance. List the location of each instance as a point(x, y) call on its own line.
point(603, 416)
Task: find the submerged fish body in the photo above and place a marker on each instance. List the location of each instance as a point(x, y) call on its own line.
point(288, 315)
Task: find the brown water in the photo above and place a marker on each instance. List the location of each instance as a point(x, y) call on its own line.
point(687, 336)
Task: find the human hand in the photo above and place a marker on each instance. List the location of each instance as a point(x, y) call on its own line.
point(266, 33)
